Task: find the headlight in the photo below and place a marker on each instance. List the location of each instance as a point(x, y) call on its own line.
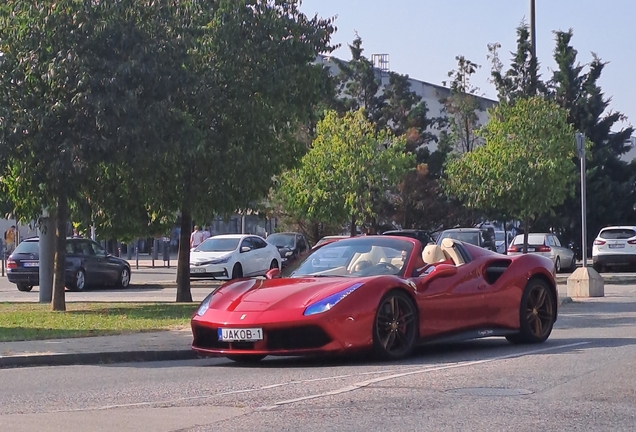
point(205, 305)
point(220, 260)
point(289, 253)
point(327, 303)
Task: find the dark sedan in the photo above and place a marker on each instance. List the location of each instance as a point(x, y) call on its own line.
point(87, 264)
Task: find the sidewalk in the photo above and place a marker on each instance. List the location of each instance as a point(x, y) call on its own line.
point(136, 347)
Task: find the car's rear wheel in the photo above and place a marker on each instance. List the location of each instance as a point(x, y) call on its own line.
point(246, 359)
point(124, 278)
point(273, 265)
point(537, 313)
point(79, 282)
point(237, 271)
point(573, 265)
point(395, 330)
point(24, 287)
point(557, 265)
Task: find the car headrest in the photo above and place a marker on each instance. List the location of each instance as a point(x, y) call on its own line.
point(433, 254)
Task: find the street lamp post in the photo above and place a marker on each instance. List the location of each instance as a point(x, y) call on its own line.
point(580, 149)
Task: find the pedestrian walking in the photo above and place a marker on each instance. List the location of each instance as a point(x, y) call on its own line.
point(196, 238)
point(9, 240)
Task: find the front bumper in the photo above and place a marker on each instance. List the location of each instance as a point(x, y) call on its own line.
point(210, 271)
point(281, 337)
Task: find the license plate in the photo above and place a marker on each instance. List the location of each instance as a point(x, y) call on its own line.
point(240, 335)
point(31, 264)
point(530, 249)
point(616, 246)
point(197, 270)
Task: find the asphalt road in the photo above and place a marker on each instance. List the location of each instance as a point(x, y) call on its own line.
point(582, 379)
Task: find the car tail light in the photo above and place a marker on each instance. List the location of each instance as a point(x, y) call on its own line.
point(631, 241)
point(11, 264)
point(512, 249)
point(544, 248)
point(599, 242)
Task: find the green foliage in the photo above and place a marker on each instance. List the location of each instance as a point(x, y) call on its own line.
point(348, 163)
point(358, 82)
point(522, 79)
point(461, 106)
point(526, 166)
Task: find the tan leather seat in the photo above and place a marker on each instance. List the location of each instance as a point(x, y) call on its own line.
point(433, 254)
point(448, 246)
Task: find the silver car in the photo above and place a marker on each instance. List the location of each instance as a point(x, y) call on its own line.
point(548, 245)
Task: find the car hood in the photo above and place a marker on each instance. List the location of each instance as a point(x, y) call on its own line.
point(259, 295)
point(199, 257)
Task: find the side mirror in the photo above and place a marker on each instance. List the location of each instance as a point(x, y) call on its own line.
point(245, 249)
point(272, 273)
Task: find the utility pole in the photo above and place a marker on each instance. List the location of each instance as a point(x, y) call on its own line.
point(533, 30)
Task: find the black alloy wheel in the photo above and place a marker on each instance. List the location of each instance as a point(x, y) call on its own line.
point(273, 265)
point(537, 313)
point(395, 330)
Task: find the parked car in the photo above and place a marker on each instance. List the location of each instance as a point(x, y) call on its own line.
point(329, 239)
point(423, 236)
point(614, 246)
point(502, 240)
point(548, 245)
point(232, 256)
point(481, 237)
point(290, 245)
point(455, 290)
point(87, 264)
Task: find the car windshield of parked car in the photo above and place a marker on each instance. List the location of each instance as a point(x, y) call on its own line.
point(533, 239)
point(468, 237)
point(218, 245)
point(499, 236)
point(27, 247)
point(356, 257)
point(617, 234)
point(282, 240)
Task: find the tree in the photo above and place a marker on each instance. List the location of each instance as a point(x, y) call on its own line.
point(348, 161)
point(522, 79)
point(525, 169)
point(73, 77)
point(461, 106)
point(610, 194)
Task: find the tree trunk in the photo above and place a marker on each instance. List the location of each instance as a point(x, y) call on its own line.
point(183, 263)
point(59, 272)
point(353, 225)
point(526, 230)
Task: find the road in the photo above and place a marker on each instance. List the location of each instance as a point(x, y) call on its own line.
point(147, 284)
point(582, 379)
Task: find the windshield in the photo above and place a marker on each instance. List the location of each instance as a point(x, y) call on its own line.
point(218, 245)
point(355, 257)
point(499, 236)
point(282, 240)
point(471, 237)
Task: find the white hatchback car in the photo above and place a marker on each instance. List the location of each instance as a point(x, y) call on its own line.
point(548, 245)
point(232, 256)
point(614, 246)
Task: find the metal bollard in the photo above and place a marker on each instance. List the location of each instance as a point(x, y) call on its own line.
point(137, 256)
point(4, 260)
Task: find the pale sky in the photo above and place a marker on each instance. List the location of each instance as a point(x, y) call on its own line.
point(423, 37)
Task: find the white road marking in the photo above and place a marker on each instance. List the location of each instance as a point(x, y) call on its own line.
point(366, 383)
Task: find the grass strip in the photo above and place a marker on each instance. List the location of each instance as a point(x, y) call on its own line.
point(33, 321)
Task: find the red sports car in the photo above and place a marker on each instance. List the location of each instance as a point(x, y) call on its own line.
point(381, 293)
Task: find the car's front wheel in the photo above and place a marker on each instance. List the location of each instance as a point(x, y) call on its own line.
point(24, 287)
point(237, 271)
point(124, 278)
point(537, 313)
point(395, 330)
point(557, 265)
point(274, 264)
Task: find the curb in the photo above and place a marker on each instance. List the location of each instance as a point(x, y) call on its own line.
point(95, 358)
point(608, 280)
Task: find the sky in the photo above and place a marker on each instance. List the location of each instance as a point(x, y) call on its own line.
point(423, 37)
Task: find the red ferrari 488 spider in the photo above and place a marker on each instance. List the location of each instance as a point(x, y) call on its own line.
point(381, 293)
